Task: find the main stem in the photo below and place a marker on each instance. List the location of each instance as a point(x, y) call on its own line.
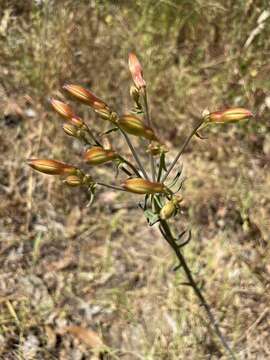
point(166, 232)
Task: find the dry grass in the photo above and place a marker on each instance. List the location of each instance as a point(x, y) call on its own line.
point(63, 264)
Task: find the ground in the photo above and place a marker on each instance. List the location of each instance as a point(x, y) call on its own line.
point(75, 277)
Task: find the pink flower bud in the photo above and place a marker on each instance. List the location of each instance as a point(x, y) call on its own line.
point(229, 115)
point(62, 109)
point(70, 129)
point(135, 126)
point(85, 96)
point(98, 155)
point(73, 180)
point(52, 167)
point(136, 71)
point(142, 186)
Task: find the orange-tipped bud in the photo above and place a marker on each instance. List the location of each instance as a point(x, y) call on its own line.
point(142, 186)
point(85, 96)
point(229, 115)
point(135, 126)
point(136, 71)
point(98, 155)
point(62, 109)
point(73, 180)
point(70, 129)
point(52, 167)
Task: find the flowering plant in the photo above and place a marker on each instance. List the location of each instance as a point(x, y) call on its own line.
point(162, 200)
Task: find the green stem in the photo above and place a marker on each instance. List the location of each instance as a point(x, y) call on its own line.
point(182, 150)
point(111, 186)
point(130, 165)
point(149, 123)
point(92, 136)
point(167, 234)
point(135, 155)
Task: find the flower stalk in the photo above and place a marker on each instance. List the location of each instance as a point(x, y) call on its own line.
point(168, 236)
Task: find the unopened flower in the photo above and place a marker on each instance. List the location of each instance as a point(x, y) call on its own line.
point(170, 208)
point(98, 155)
point(135, 126)
point(52, 167)
point(105, 114)
point(142, 186)
point(76, 121)
point(85, 96)
point(167, 210)
point(136, 71)
point(62, 108)
point(73, 180)
point(229, 115)
point(70, 129)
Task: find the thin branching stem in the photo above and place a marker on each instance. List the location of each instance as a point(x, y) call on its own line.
point(130, 165)
point(167, 234)
point(182, 150)
point(111, 186)
point(149, 123)
point(135, 155)
point(92, 136)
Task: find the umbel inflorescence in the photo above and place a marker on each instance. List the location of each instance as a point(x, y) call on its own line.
point(161, 192)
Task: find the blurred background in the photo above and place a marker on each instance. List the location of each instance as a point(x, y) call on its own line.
point(74, 277)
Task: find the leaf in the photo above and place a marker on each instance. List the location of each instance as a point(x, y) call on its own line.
point(87, 336)
point(151, 217)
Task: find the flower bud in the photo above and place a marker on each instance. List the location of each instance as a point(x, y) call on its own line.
point(97, 155)
point(76, 121)
point(135, 126)
point(229, 115)
point(62, 109)
point(70, 129)
point(167, 210)
point(170, 207)
point(106, 114)
point(73, 180)
point(52, 167)
point(136, 71)
point(85, 96)
point(142, 186)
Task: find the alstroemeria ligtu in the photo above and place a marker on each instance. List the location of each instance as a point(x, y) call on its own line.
point(85, 96)
point(97, 155)
point(136, 71)
point(52, 167)
point(229, 115)
point(135, 126)
point(142, 186)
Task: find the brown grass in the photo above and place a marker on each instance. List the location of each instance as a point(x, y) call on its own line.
point(102, 268)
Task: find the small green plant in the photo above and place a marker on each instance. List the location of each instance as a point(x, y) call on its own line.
point(161, 191)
